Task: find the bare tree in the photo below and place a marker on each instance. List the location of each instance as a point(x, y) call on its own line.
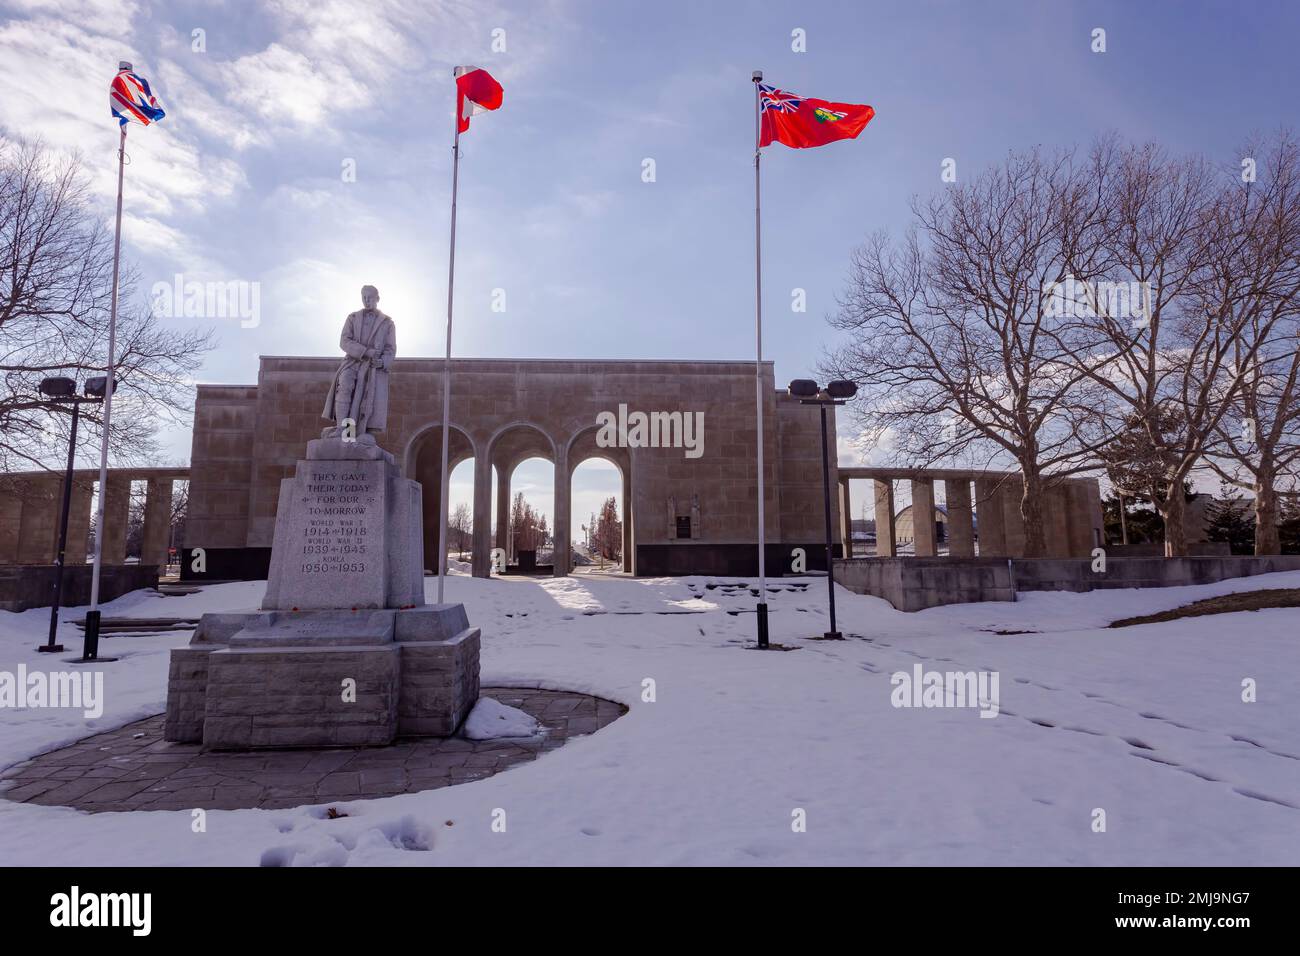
point(958, 341)
point(1257, 445)
point(1174, 369)
point(55, 286)
point(461, 527)
point(527, 526)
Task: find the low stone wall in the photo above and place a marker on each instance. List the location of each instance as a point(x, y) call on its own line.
point(24, 586)
point(1147, 549)
point(912, 584)
point(1077, 575)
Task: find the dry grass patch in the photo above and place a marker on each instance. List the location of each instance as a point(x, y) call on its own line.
point(1228, 603)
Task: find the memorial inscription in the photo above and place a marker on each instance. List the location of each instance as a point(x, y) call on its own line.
point(335, 539)
point(332, 538)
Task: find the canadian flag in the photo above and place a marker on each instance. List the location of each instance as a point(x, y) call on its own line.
point(476, 92)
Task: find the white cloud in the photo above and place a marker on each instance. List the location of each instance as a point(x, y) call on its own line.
point(190, 96)
point(154, 237)
point(117, 18)
point(279, 83)
point(59, 76)
point(332, 56)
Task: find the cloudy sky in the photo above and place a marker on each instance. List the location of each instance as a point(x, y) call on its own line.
point(244, 180)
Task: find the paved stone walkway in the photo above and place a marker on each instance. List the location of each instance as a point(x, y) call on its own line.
point(133, 768)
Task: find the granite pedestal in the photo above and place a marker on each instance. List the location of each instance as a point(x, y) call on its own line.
point(344, 651)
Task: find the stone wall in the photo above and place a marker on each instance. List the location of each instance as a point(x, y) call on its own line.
point(24, 586)
point(1154, 572)
point(913, 584)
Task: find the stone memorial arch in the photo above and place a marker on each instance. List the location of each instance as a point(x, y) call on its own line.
point(684, 509)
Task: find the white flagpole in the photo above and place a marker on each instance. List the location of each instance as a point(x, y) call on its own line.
point(446, 366)
point(758, 362)
point(92, 617)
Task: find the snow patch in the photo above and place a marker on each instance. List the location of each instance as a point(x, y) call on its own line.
point(491, 719)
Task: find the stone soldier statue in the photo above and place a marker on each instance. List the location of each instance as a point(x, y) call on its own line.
point(360, 388)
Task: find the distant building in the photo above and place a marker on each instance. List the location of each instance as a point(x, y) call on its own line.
point(903, 530)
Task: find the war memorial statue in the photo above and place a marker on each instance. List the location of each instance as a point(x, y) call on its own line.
point(344, 651)
point(358, 396)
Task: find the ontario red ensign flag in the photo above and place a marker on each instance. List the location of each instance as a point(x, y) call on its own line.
point(801, 122)
point(476, 92)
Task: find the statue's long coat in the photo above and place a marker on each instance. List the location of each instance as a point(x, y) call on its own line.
point(360, 333)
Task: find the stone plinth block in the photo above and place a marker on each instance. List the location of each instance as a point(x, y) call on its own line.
point(266, 679)
point(347, 535)
point(432, 622)
point(314, 629)
point(439, 684)
point(187, 690)
point(345, 695)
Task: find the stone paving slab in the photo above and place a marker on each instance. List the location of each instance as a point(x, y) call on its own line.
point(134, 768)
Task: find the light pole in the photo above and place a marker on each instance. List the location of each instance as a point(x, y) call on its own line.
point(64, 391)
point(835, 393)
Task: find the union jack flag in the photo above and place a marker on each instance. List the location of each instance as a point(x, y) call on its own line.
point(782, 102)
point(130, 98)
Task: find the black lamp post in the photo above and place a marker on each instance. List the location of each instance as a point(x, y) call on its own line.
point(64, 391)
point(835, 393)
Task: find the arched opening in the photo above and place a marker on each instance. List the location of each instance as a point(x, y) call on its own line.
point(424, 464)
point(597, 474)
point(530, 524)
point(600, 516)
point(523, 472)
point(460, 514)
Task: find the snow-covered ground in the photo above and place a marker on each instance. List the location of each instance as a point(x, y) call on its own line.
point(1146, 723)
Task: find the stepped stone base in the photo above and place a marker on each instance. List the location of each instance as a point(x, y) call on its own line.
point(344, 651)
point(323, 678)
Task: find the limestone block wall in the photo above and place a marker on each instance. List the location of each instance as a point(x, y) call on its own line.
point(225, 422)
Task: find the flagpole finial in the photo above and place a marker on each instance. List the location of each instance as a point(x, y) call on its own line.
point(758, 76)
point(123, 65)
